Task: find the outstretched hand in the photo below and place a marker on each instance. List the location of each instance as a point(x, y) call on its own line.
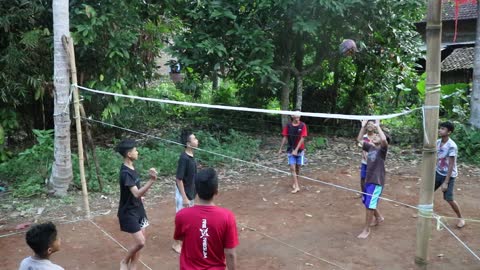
point(364, 122)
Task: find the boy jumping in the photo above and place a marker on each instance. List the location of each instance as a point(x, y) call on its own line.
point(131, 213)
point(375, 177)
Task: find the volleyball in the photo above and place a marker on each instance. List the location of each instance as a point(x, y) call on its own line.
point(348, 47)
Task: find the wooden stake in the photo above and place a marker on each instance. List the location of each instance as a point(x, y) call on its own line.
point(92, 147)
point(432, 101)
point(68, 45)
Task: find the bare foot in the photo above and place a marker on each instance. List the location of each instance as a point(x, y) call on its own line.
point(461, 223)
point(177, 248)
point(295, 190)
point(123, 265)
point(377, 221)
point(358, 195)
point(364, 234)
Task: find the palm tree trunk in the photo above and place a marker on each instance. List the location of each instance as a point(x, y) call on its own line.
point(62, 175)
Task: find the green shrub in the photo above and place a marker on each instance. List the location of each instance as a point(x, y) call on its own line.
point(467, 139)
point(234, 144)
point(27, 173)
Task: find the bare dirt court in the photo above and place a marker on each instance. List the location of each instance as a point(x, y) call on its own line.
point(320, 220)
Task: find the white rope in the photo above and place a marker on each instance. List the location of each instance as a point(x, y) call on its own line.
point(291, 246)
point(252, 163)
point(456, 237)
point(246, 109)
point(115, 240)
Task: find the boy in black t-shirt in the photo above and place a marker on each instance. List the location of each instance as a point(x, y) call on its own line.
point(186, 171)
point(131, 213)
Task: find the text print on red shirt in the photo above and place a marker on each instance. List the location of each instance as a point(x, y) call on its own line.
point(204, 235)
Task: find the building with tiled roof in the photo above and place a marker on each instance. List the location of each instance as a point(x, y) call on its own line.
point(457, 56)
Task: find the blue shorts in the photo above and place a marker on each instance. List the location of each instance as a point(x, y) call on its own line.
point(363, 171)
point(298, 159)
point(448, 194)
point(370, 200)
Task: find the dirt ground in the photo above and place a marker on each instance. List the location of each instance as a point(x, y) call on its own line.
point(314, 229)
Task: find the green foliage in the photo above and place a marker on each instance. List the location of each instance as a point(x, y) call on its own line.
point(454, 101)
point(122, 38)
point(28, 172)
point(405, 130)
point(467, 139)
point(223, 38)
point(8, 124)
point(234, 144)
point(226, 94)
point(318, 143)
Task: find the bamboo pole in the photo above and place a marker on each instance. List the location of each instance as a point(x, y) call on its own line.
point(68, 45)
point(432, 101)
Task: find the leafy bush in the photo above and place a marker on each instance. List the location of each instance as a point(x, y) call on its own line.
point(27, 172)
point(318, 143)
point(234, 144)
point(467, 139)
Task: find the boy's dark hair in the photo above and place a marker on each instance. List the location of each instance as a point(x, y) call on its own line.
point(448, 125)
point(125, 146)
point(206, 184)
point(40, 237)
point(185, 136)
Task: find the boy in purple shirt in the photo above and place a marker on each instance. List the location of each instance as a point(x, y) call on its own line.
point(375, 177)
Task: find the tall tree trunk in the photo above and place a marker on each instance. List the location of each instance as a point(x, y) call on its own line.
point(299, 55)
point(214, 80)
point(62, 174)
point(299, 90)
point(475, 97)
point(285, 95)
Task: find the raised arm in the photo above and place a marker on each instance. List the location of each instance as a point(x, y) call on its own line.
point(138, 193)
point(362, 131)
point(383, 138)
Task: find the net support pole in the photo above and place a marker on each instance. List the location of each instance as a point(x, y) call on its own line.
point(68, 45)
point(432, 101)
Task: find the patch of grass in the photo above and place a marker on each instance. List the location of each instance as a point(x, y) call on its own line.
point(27, 173)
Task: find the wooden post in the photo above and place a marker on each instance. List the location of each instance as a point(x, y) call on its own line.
point(432, 101)
point(68, 45)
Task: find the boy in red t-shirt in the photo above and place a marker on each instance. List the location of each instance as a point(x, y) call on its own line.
point(208, 232)
point(294, 133)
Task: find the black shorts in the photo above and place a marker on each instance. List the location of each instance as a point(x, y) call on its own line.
point(448, 194)
point(132, 224)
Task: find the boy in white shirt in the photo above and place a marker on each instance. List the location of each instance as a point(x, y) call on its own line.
point(43, 240)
